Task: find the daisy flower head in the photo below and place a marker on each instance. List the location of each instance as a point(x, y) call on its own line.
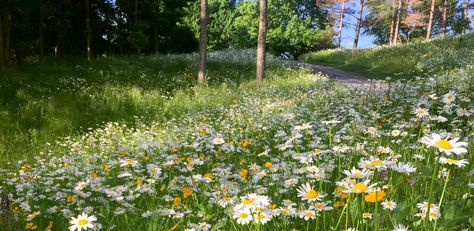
point(459, 163)
point(434, 215)
point(425, 206)
point(374, 163)
point(262, 217)
point(127, 162)
point(307, 214)
point(445, 145)
point(218, 140)
point(405, 168)
point(81, 185)
point(395, 133)
point(367, 215)
point(449, 97)
point(82, 222)
point(400, 227)
point(357, 174)
point(243, 216)
point(303, 126)
point(421, 112)
point(358, 188)
point(307, 193)
point(389, 205)
point(322, 206)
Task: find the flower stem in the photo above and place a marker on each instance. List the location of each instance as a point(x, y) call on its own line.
point(433, 177)
point(442, 196)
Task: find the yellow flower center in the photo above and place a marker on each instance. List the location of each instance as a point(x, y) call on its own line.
point(357, 175)
point(311, 194)
point(320, 206)
point(359, 188)
point(376, 162)
point(243, 215)
point(129, 162)
point(82, 222)
point(308, 214)
point(444, 144)
point(248, 201)
point(451, 161)
point(259, 217)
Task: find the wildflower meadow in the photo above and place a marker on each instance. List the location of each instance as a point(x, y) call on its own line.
point(298, 152)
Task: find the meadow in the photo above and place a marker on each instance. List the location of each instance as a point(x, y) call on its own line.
point(150, 151)
point(419, 58)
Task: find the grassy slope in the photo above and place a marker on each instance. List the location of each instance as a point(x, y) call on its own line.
point(40, 103)
point(404, 61)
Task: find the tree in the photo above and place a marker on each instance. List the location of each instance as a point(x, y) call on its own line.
point(88, 30)
point(341, 22)
point(444, 22)
point(397, 23)
point(358, 24)
point(203, 43)
point(5, 21)
point(431, 19)
point(41, 31)
point(466, 14)
point(262, 34)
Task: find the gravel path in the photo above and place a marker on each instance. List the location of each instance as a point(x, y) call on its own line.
point(342, 76)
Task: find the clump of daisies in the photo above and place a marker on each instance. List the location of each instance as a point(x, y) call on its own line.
point(254, 208)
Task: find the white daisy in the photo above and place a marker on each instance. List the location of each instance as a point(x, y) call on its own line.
point(307, 193)
point(357, 174)
point(390, 205)
point(82, 222)
point(243, 216)
point(405, 168)
point(307, 214)
point(444, 145)
point(400, 227)
point(459, 163)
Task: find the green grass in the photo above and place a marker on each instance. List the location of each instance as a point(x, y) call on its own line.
point(187, 157)
point(403, 61)
point(42, 102)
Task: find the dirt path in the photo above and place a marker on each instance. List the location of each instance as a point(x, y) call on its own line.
point(342, 76)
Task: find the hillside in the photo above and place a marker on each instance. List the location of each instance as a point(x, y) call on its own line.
point(403, 61)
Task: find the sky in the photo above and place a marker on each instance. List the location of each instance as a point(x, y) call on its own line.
point(348, 32)
point(364, 41)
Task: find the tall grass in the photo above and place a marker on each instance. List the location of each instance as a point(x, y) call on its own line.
point(404, 61)
point(41, 102)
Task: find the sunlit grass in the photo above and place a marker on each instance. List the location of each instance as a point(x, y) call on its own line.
point(401, 62)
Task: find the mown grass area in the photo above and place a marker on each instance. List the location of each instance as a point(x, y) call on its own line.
point(403, 61)
point(42, 102)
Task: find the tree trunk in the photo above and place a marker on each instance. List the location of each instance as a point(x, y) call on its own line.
point(392, 29)
point(5, 24)
point(445, 18)
point(359, 22)
point(397, 23)
point(262, 34)
point(2, 61)
point(135, 12)
point(41, 32)
point(341, 22)
point(88, 31)
point(431, 19)
point(466, 14)
point(203, 44)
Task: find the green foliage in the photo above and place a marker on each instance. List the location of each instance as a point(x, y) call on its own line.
point(405, 61)
point(294, 27)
